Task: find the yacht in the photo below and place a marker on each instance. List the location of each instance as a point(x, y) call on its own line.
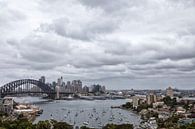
point(86, 123)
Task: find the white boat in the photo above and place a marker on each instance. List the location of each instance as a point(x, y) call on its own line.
point(68, 98)
point(85, 123)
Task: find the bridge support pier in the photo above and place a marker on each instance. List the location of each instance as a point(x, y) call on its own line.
point(57, 92)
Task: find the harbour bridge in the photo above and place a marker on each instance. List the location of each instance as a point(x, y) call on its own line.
point(28, 86)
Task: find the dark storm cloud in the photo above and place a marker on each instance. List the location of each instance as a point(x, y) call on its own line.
point(112, 42)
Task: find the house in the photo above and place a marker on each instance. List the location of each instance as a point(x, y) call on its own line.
point(180, 110)
point(163, 115)
point(8, 104)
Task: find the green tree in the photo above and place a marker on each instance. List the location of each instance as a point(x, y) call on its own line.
point(43, 125)
point(62, 125)
point(17, 124)
point(128, 105)
point(170, 102)
point(84, 127)
point(122, 126)
point(143, 106)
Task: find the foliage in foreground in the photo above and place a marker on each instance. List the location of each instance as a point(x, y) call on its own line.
point(123, 126)
point(25, 124)
point(52, 124)
point(188, 126)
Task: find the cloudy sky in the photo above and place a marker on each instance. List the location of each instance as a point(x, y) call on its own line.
point(122, 44)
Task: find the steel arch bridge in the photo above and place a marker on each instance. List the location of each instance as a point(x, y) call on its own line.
point(13, 87)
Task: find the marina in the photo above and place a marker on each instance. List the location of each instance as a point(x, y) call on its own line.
point(95, 114)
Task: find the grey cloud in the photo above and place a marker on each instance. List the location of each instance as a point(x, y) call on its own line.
point(112, 6)
point(8, 15)
point(43, 49)
point(85, 30)
point(116, 43)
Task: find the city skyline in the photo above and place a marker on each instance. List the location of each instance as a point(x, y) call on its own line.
point(144, 44)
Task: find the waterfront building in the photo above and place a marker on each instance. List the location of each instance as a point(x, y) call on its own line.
point(151, 98)
point(169, 92)
point(97, 88)
point(90, 89)
point(85, 89)
point(135, 101)
point(27, 111)
point(8, 104)
point(103, 89)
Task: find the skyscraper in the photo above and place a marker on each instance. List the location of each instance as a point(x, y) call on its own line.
point(60, 81)
point(42, 79)
point(68, 87)
point(135, 101)
point(151, 98)
point(77, 86)
point(85, 89)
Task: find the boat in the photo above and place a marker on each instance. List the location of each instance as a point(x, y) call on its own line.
point(120, 119)
point(40, 112)
point(68, 98)
point(86, 123)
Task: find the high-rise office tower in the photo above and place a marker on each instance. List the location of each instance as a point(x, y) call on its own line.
point(151, 98)
point(42, 79)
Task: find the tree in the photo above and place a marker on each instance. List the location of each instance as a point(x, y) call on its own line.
point(43, 125)
point(17, 124)
point(171, 122)
point(62, 125)
point(170, 102)
point(84, 127)
point(3, 114)
point(128, 105)
point(122, 126)
point(143, 106)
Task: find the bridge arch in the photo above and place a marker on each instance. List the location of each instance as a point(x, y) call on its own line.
point(12, 86)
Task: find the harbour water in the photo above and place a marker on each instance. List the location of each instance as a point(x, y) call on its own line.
point(96, 113)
